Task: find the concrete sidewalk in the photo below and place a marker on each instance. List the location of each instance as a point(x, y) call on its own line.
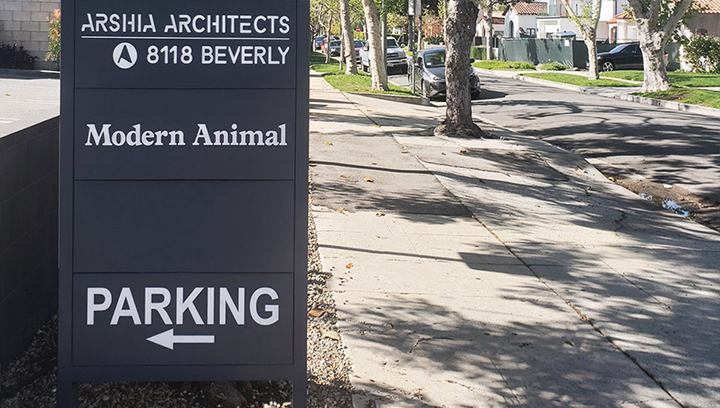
point(507, 272)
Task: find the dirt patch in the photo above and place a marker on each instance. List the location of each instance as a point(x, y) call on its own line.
point(701, 209)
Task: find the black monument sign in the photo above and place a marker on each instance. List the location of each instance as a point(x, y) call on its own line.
point(183, 192)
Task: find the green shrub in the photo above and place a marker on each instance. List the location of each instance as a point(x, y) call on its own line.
point(702, 52)
point(53, 54)
point(16, 57)
point(434, 39)
point(504, 65)
point(478, 53)
point(552, 66)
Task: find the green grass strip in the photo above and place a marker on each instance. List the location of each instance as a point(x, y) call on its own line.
point(317, 62)
point(577, 80)
point(361, 83)
point(677, 78)
point(700, 97)
point(504, 65)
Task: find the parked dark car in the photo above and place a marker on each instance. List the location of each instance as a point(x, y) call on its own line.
point(429, 66)
point(334, 48)
point(318, 41)
point(624, 56)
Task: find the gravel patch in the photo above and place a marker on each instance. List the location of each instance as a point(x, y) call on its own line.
point(30, 381)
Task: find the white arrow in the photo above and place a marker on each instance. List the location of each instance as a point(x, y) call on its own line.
point(168, 339)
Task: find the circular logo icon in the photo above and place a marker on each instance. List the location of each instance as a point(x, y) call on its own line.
point(125, 55)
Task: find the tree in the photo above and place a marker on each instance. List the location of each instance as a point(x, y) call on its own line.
point(348, 43)
point(587, 23)
point(656, 21)
point(378, 70)
point(460, 29)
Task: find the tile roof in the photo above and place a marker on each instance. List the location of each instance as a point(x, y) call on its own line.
point(535, 8)
point(622, 16)
point(707, 6)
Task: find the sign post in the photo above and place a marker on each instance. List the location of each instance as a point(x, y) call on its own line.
point(183, 192)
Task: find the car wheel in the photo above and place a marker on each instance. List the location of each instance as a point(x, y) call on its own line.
point(608, 66)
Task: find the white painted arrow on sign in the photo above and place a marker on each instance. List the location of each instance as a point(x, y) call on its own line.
point(168, 339)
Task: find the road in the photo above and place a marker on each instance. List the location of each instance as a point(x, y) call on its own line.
point(663, 146)
point(621, 138)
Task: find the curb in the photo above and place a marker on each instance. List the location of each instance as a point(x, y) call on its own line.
point(676, 106)
point(682, 107)
point(29, 73)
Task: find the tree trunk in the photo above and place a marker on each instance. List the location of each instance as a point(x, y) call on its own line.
point(591, 44)
point(327, 41)
point(460, 26)
point(654, 35)
point(348, 44)
point(489, 31)
point(653, 50)
point(588, 26)
point(378, 70)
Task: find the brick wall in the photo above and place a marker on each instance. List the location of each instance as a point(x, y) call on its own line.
point(28, 231)
point(24, 22)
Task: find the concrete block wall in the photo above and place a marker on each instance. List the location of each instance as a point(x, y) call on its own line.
point(24, 22)
point(28, 232)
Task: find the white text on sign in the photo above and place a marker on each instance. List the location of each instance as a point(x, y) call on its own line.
point(218, 301)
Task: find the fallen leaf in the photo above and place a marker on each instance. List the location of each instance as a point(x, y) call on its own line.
point(341, 211)
point(329, 334)
point(580, 169)
point(314, 131)
point(350, 265)
point(329, 143)
point(379, 214)
point(369, 180)
point(317, 312)
point(404, 151)
point(462, 151)
point(376, 125)
point(313, 164)
point(611, 178)
point(374, 164)
point(443, 154)
point(344, 176)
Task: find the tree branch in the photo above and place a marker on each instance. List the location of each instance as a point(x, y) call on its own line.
point(680, 9)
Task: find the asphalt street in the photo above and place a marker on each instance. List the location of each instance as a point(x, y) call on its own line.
point(619, 137)
point(663, 146)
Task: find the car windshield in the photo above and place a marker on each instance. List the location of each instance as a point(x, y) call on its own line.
point(391, 43)
point(435, 59)
point(618, 49)
point(334, 43)
point(358, 43)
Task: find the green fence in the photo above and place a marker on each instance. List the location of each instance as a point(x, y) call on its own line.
point(567, 52)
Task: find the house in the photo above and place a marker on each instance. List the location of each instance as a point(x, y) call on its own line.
point(556, 20)
point(622, 28)
point(498, 28)
point(707, 19)
point(520, 18)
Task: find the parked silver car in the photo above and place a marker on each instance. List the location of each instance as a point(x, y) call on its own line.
point(429, 66)
point(396, 58)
